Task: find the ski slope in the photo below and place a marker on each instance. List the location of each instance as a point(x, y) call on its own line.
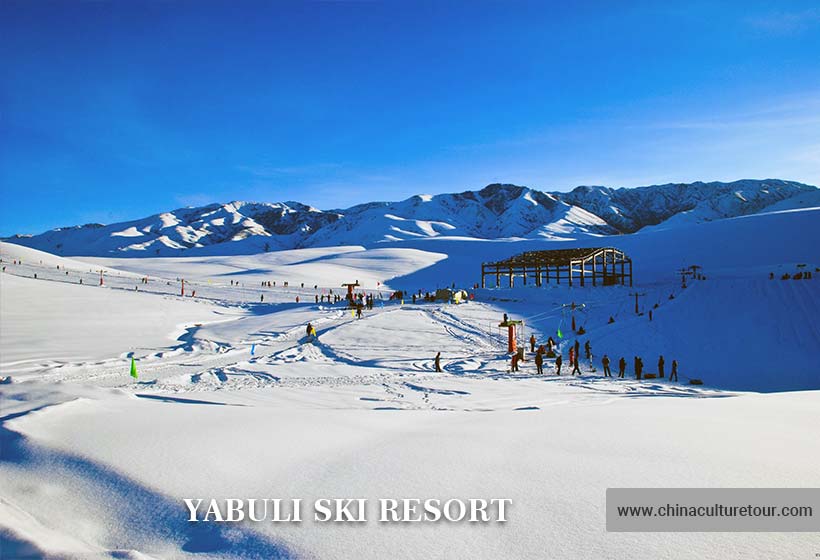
point(233, 400)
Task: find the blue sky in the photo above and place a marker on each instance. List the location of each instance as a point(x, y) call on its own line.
point(117, 110)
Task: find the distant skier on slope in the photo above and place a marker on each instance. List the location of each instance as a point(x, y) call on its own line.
point(539, 363)
point(514, 362)
point(674, 372)
point(308, 328)
point(438, 362)
point(576, 366)
point(661, 363)
point(638, 368)
point(532, 343)
point(605, 362)
point(621, 367)
point(558, 361)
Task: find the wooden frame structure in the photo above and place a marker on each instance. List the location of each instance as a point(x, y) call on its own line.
point(606, 266)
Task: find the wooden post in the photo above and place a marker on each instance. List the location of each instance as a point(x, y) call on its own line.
point(594, 279)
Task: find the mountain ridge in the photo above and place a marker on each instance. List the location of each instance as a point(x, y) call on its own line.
point(498, 210)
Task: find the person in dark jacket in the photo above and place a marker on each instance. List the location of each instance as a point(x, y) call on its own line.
point(605, 362)
point(576, 365)
point(514, 362)
point(674, 373)
point(532, 343)
point(539, 363)
point(438, 362)
point(558, 361)
point(308, 328)
point(660, 366)
point(638, 367)
point(621, 367)
point(588, 350)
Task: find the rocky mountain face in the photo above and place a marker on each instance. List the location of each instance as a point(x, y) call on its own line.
point(496, 211)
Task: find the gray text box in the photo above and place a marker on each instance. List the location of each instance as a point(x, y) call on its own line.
point(712, 509)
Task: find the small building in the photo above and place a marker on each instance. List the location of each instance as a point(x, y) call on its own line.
point(451, 295)
point(598, 266)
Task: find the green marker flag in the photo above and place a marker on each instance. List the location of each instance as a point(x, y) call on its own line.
point(133, 369)
point(560, 334)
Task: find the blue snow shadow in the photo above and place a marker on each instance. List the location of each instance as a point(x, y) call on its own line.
point(165, 398)
point(150, 517)
point(434, 391)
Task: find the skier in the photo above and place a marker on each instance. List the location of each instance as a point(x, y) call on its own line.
point(297, 299)
point(587, 350)
point(650, 314)
point(571, 356)
point(660, 366)
point(605, 362)
point(414, 299)
point(539, 364)
point(576, 366)
point(261, 298)
point(558, 361)
point(308, 328)
point(514, 362)
point(674, 372)
point(577, 350)
point(359, 311)
point(551, 344)
point(505, 318)
point(438, 362)
point(532, 343)
point(638, 367)
point(317, 299)
point(621, 367)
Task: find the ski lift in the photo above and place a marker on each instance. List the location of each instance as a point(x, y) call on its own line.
point(514, 330)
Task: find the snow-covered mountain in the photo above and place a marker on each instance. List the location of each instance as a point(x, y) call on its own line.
point(496, 211)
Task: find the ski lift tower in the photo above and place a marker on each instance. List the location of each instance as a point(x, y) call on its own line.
point(511, 342)
point(350, 286)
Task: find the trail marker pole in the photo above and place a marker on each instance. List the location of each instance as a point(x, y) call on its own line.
point(637, 295)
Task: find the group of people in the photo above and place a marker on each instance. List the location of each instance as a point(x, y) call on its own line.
point(550, 350)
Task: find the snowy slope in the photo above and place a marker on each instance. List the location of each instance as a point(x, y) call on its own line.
point(232, 401)
point(497, 211)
